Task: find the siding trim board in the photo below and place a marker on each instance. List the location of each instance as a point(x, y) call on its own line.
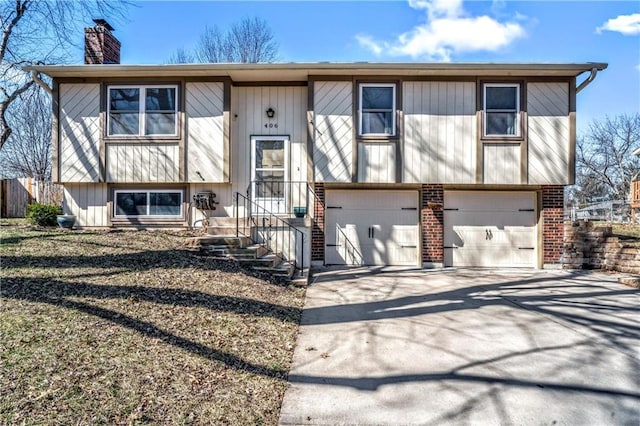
point(269, 83)
point(226, 123)
point(55, 133)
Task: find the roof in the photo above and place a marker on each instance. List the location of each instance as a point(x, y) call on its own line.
point(294, 71)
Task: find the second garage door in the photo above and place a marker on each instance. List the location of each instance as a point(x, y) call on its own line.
point(490, 229)
point(371, 228)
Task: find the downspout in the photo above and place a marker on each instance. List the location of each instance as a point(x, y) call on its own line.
point(39, 82)
point(588, 81)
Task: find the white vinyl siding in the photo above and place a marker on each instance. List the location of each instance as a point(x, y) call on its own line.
point(501, 163)
point(88, 202)
point(250, 105)
point(372, 228)
point(439, 132)
point(79, 149)
point(333, 131)
point(224, 197)
point(205, 147)
point(548, 133)
point(142, 162)
point(377, 162)
point(490, 229)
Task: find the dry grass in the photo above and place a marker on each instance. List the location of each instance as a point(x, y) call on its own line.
point(627, 230)
point(119, 328)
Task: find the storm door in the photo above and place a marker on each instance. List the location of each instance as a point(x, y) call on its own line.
point(269, 171)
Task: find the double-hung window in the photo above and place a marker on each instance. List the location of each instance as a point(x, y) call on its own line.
point(377, 109)
point(152, 203)
point(502, 109)
point(142, 110)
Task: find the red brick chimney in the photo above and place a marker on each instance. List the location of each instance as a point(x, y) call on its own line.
point(100, 46)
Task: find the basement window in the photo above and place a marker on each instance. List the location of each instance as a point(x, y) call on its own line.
point(153, 203)
point(142, 110)
point(501, 110)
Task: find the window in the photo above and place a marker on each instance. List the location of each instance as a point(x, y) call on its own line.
point(377, 109)
point(142, 111)
point(501, 110)
point(154, 203)
point(269, 171)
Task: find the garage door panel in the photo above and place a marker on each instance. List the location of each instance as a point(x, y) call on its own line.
point(490, 229)
point(345, 248)
point(497, 256)
point(372, 227)
point(478, 201)
point(492, 218)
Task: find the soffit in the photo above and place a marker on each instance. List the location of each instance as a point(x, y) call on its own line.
point(302, 71)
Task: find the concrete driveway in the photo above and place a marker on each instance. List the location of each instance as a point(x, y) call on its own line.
point(389, 347)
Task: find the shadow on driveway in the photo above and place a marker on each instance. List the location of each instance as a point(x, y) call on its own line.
point(466, 346)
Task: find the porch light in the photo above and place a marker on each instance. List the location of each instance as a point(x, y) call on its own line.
point(271, 113)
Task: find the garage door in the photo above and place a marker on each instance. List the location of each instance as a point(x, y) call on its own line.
point(371, 228)
point(490, 229)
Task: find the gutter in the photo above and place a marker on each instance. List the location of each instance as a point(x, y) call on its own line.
point(39, 82)
point(592, 76)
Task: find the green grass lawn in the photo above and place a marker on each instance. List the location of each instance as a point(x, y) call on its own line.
point(121, 328)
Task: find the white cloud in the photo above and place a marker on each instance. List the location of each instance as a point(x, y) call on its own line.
point(624, 24)
point(448, 30)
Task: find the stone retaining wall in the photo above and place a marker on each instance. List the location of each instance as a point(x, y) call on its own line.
point(588, 246)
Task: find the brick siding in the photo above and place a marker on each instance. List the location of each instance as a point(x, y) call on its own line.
point(552, 223)
point(432, 219)
point(100, 46)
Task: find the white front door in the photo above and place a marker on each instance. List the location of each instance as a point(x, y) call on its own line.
point(490, 229)
point(371, 228)
point(269, 172)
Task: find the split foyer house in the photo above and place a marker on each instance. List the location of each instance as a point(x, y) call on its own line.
point(419, 164)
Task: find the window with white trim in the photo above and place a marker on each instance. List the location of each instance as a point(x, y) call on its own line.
point(142, 110)
point(501, 109)
point(152, 203)
point(377, 109)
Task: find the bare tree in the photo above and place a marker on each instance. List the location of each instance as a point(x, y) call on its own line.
point(28, 151)
point(213, 46)
point(604, 160)
point(248, 41)
point(40, 31)
point(181, 56)
point(251, 40)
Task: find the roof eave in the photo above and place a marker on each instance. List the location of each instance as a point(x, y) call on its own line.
point(296, 71)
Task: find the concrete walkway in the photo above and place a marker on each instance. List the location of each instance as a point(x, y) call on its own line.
point(430, 347)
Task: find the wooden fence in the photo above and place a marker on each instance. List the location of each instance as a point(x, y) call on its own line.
point(635, 199)
point(16, 194)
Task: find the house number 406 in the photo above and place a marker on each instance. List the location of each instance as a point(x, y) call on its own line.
point(271, 125)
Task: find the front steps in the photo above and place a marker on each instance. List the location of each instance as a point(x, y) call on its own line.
point(221, 242)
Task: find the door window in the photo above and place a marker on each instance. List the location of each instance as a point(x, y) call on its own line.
point(269, 173)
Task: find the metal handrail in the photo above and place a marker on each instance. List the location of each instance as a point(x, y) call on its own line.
point(256, 217)
point(281, 197)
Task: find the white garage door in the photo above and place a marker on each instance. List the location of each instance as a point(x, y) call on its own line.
point(371, 228)
point(490, 229)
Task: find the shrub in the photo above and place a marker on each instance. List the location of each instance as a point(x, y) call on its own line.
point(43, 214)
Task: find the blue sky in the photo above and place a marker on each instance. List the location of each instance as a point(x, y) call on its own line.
point(418, 31)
